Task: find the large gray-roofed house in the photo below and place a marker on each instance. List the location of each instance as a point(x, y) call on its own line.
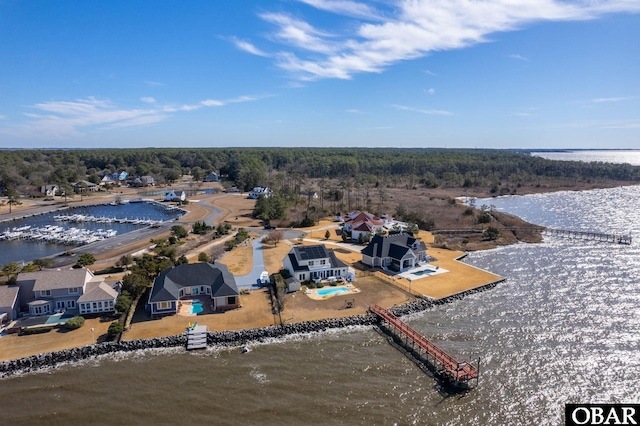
point(45, 292)
point(399, 251)
point(207, 282)
point(9, 302)
point(313, 262)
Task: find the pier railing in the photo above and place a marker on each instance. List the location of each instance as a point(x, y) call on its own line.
point(563, 233)
point(454, 372)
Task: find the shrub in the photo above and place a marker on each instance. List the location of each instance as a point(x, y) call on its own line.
point(37, 330)
point(115, 328)
point(74, 323)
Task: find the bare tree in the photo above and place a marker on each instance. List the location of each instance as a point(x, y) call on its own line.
point(275, 236)
point(216, 252)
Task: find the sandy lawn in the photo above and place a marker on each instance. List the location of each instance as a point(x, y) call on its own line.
point(14, 346)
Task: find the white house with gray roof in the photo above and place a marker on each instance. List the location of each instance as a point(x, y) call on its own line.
point(307, 263)
point(47, 292)
point(206, 282)
point(397, 251)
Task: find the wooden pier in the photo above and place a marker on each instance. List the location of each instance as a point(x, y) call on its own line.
point(458, 374)
point(562, 233)
point(197, 337)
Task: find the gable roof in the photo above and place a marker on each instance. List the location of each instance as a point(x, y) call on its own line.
point(311, 253)
point(167, 285)
point(395, 246)
point(58, 279)
point(8, 295)
point(98, 291)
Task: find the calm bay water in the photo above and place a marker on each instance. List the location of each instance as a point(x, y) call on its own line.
point(18, 250)
point(606, 156)
point(564, 327)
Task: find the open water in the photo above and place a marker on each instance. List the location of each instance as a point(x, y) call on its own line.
point(563, 328)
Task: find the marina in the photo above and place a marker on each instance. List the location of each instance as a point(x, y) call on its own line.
point(51, 233)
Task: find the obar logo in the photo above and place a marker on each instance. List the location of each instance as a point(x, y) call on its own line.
point(602, 414)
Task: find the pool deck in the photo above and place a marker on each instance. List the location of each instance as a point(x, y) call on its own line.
point(460, 277)
point(313, 293)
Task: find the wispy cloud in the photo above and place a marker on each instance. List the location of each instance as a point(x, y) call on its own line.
point(519, 57)
point(153, 83)
point(431, 91)
point(422, 111)
point(71, 119)
point(610, 100)
point(408, 29)
point(3, 117)
point(347, 8)
point(247, 47)
point(354, 111)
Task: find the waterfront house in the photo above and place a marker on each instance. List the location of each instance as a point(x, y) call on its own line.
point(397, 251)
point(84, 186)
point(209, 283)
point(46, 292)
point(260, 191)
point(174, 195)
point(9, 303)
point(358, 223)
point(306, 263)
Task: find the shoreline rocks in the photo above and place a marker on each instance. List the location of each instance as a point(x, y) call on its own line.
point(229, 338)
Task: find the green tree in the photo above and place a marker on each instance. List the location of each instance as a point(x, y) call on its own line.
point(86, 259)
point(327, 235)
point(74, 323)
point(203, 257)
point(123, 303)
point(115, 328)
point(10, 268)
point(179, 231)
point(492, 233)
point(43, 263)
point(135, 283)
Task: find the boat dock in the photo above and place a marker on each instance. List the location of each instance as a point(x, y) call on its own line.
point(197, 337)
point(562, 233)
point(458, 374)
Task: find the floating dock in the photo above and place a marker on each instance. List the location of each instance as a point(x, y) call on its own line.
point(454, 373)
point(197, 337)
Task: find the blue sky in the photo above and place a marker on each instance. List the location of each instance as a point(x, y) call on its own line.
point(401, 73)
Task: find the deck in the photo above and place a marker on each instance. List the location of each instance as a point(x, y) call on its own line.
point(459, 374)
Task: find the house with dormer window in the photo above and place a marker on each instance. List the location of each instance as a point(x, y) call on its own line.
point(306, 263)
point(206, 283)
point(47, 292)
point(396, 251)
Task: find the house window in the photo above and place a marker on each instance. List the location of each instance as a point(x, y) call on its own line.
point(74, 290)
point(231, 300)
point(164, 305)
point(71, 304)
point(301, 277)
point(323, 262)
point(45, 292)
point(194, 290)
point(311, 263)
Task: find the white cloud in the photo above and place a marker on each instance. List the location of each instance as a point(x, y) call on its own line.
point(3, 117)
point(247, 47)
point(347, 8)
point(153, 83)
point(422, 111)
point(68, 119)
point(71, 119)
point(354, 111)
point(519, 57)
point(609, 100)
point(411, 29)
point(431, 91)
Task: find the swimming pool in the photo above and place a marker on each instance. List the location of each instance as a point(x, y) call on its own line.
point(423, 272)
point(332, 291)
point(196, 307)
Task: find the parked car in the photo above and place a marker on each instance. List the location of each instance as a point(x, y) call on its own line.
point(268, 226)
